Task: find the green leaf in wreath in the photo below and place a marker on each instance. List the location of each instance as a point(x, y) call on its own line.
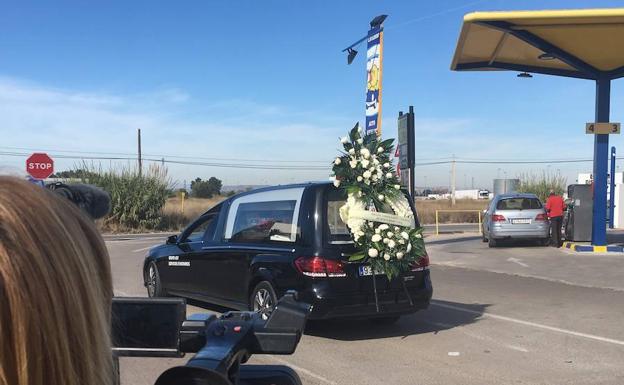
point(357, 256)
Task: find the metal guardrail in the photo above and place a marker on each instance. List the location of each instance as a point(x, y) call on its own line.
point(437, 219)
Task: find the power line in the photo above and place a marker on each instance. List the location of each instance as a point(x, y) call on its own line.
point(189, 163)
point(165, 155)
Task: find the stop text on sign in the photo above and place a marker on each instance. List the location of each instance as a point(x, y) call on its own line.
point(40, 166)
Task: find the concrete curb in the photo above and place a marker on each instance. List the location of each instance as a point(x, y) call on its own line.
point(585, 248)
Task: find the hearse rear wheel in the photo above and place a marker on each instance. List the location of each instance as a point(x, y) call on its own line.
point(263, 299)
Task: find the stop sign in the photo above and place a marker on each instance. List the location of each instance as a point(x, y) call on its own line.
point(39, 165)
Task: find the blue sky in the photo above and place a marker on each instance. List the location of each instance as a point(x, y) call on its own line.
point(266, 80)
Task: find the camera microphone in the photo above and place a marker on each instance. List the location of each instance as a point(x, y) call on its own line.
point(92, 200)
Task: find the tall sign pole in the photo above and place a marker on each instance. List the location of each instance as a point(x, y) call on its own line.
point(374, 61)
point(406, 149)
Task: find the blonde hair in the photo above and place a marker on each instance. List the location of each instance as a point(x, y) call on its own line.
point(55, 291)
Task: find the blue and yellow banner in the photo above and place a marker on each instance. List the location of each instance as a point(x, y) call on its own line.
point(373, 81)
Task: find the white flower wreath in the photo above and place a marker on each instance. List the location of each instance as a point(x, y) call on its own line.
point(377, 212)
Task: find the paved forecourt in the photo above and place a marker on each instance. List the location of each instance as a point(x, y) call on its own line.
point(489, 323)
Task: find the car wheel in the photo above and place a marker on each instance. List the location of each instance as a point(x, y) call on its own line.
point(544, 241)
point(389, 320)
point(154, 286)
point(492, 242)
point(263, 299)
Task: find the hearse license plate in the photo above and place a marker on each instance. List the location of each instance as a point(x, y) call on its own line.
point(522, 221)
point(368, 270)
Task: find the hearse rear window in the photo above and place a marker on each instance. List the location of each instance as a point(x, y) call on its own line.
point(337, 230)
point(269, 216)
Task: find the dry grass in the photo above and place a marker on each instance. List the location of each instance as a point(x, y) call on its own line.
point(426, 210)
point(173, 218)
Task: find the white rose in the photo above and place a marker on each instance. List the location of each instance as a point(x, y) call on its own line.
point(373, 253)
point(367, 182)
point(386, 240)
point(401, 241)
point(367, 174)
point(418, 235)
point(374, 178)
point(375, 161)
point(337, 161)
point(359, 178)
point(396, 186)
point(376, 238)
point(383, 226)
point(360, 141)
point(389, 234)
point(364, 163)
point(391, 244)
point(344, 140)
point(337, 183)
point(409, 247)
point(377, 231)
point(386, 257)
point(365, 153)
point(388, 175)
point(396, 228)
point(386, 165)
point(380, 150)
point(351, 151)
point(380, 197)
point(359, 193)
point(399, 255)
point(405, 235)
point(353, 163)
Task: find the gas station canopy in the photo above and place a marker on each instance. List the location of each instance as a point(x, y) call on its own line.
point(585, 43)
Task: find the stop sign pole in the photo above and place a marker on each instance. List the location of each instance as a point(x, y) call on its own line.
point(39, 165)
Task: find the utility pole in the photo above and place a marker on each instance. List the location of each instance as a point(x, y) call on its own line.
point(472, 184)
point(139, 154)
point(453, 181)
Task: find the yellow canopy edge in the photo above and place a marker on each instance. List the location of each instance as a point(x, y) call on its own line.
point(578, 43)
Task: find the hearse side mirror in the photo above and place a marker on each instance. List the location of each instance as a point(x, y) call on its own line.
point(172, 239)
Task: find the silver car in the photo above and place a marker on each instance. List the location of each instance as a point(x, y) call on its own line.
point(515, 216)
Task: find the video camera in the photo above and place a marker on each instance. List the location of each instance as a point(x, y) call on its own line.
point(158, 327)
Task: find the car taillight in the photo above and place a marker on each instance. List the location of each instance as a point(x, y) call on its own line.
point(421, 264)
point(541, 217)
point(498, 218)
point(320, 267)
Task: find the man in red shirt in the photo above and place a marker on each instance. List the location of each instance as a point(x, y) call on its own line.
point(555, 207)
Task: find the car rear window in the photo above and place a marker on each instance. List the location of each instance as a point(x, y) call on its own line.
point(519, 204)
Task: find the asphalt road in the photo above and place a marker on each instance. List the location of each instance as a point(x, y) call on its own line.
point(486, 325)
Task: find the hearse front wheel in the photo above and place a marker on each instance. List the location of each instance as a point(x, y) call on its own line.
point(263, 299)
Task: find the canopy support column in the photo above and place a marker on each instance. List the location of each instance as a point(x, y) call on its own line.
point(601, 162)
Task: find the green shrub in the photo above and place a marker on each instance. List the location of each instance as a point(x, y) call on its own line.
point(541, 185)
point(136, 199)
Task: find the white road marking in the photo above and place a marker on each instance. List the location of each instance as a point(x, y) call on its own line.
point(532, 324)
point(477, 336)
point(144, 248)
point(304, 371)
point(453, 354)
point(517, 261)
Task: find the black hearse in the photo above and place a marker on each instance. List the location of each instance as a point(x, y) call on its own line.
point(247, 251)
